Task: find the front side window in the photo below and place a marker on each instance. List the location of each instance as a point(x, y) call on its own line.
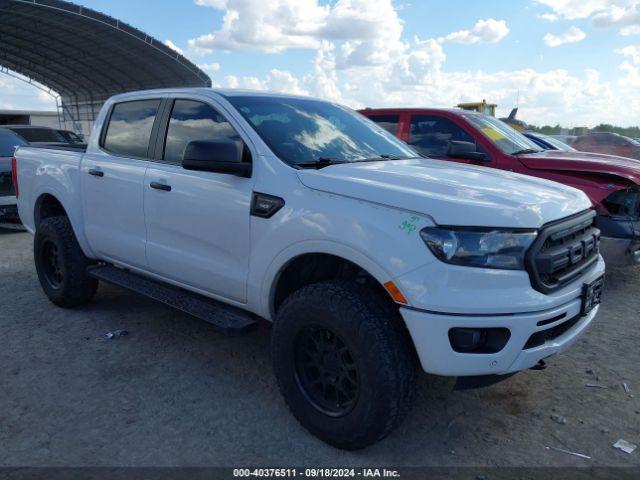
point(191, 120)
point(129, 129)
point(300, 130)
point(388, 122)
point(431, 135)
point(502, 135)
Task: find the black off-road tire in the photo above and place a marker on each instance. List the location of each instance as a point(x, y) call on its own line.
point(66, 283)
point(379, 346)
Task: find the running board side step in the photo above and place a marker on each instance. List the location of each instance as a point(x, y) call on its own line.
point(226, 318)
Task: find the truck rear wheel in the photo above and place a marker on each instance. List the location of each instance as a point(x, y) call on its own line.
point(61, 264)
point(343, 363)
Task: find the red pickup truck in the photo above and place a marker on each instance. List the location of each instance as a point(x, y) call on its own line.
point(612, 183)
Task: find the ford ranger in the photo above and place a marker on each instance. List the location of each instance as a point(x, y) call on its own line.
point(612, 183)
point(369, 260)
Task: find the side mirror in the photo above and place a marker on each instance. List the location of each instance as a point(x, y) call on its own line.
point(466, 150)
point(221, 155)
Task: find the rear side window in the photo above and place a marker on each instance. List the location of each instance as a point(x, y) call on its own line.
point(8, 143)
point(129, 129)
point(388, 122)
point(191, 120)
point(431, 135)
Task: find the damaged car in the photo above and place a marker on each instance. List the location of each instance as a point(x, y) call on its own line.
point(611, 182)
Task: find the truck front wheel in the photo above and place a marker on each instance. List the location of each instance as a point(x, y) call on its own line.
point(61, 264)
point(343, 363)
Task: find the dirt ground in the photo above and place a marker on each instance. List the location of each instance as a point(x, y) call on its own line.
point(174, 392)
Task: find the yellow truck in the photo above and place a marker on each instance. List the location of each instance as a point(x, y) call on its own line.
point(481, 107)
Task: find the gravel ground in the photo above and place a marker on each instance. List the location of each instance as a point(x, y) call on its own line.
point(174, 392)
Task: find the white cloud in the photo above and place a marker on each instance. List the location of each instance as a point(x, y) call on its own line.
point(361, 59)
point(419, 78)
point(632, 52)
point(549, 17)
point(270, 25)
point(17, 94)
point(484, 31)
point(173, 46)
point(362, 33)
point(367, 31)
point(631, 71)
point(219, 4)
point(275, 81)
point(621, 14)
point(209, 67)
point(630, 30)
point(573, 35)
point(577, 9)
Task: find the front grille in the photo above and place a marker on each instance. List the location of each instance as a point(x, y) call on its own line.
point(6, 186)
point(563, 251)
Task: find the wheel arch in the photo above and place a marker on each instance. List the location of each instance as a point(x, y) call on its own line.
point(49, 204)
point(335, 261)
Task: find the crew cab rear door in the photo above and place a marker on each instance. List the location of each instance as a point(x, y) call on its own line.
point(431, 135)
point(112, 179)
point(197, 222)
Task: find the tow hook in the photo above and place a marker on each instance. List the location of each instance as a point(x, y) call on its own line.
point(541, 365)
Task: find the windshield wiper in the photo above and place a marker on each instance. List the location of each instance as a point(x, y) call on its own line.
point(321, 163)
point(327, 161)
point(383, 157)
point(525, 151)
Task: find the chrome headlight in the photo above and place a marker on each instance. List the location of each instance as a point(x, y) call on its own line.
point(480, 248)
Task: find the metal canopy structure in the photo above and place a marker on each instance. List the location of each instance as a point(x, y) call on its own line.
point(86, 56)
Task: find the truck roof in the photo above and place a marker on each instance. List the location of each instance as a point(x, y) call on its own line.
point(225, 92)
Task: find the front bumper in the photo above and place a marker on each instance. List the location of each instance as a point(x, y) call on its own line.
point(430, 334)
point(461, 297)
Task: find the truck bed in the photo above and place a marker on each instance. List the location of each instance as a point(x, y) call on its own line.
point(62, 164)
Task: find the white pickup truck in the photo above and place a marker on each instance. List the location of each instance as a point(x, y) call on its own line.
point(369, 259)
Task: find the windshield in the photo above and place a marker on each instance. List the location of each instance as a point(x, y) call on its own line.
point(502, 135)
point(306, 130)
point(40, 135)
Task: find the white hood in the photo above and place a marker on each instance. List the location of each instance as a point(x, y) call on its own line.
point(452, 193)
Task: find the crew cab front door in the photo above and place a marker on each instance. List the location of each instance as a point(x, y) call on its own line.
point(197, 222)
point(431, 135)
point(112, 179)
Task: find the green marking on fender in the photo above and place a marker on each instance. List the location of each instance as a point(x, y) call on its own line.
point(409, 224)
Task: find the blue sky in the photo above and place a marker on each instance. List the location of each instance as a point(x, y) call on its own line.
point(571, 61)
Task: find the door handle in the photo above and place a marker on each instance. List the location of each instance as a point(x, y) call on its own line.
point(96, 173)
point(160, 186)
